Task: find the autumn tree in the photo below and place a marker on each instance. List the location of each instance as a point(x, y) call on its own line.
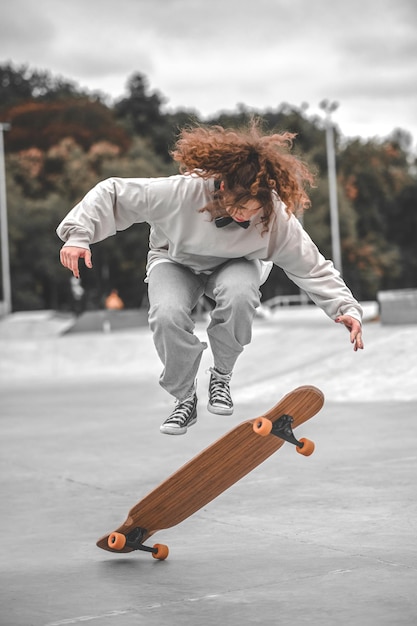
point(44, 124)
point(374, 176)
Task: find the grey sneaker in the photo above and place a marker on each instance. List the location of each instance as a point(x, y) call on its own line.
point(220, 400)
point(183, 416)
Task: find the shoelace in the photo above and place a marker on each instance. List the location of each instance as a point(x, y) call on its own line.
point(219, 387)
point(181, 412)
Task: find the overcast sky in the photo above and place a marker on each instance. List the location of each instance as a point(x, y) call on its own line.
point(211, 55)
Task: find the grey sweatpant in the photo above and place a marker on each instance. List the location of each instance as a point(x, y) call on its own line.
point(174, 291)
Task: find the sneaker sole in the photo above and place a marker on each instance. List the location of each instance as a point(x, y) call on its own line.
point(175, 430)
point(219, 410)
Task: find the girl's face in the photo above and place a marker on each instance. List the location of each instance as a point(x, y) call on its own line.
point(244, 211)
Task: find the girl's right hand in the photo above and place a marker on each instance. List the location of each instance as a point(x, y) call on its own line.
point(69, 256)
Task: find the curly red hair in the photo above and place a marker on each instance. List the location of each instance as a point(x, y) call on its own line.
point(252, 165)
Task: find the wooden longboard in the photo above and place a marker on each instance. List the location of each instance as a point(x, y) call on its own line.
point(214, 470)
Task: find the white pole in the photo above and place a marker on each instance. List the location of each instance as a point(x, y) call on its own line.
point(5, 264)
point(329, 107)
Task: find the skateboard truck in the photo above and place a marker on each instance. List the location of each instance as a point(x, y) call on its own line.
point(282, 428)
point(133, 540)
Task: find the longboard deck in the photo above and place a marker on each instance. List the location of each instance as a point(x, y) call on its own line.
point(215, 469)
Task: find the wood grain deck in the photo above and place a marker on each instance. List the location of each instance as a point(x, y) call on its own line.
point(215, 469)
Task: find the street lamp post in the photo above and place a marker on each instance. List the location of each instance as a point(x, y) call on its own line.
point(328, 108)
point(5, 264)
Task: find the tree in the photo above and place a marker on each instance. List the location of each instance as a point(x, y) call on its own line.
point(141, 113)
point(19, 84)
point(39, 196)
point(44, 124)
point(140, 109)
point(374, 175)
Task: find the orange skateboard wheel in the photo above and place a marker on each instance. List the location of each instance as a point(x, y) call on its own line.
point(161, 553)
point(308, 447)
point(117, 541)
point(262, 426)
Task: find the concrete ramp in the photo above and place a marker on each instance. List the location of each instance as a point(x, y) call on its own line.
point(109, 321)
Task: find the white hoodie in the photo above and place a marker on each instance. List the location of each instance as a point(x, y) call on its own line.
point(180, 233)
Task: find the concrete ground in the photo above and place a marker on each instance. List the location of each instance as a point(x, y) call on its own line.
point(324, 540)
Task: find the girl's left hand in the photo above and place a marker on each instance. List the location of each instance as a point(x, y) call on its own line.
point(355, 329)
